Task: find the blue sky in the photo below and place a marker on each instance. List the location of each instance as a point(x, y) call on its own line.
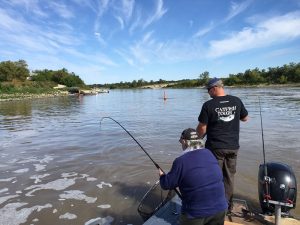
point(109, 41)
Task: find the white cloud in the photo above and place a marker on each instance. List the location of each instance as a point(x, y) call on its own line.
point(8, 23)
point(204, 30)
point(281, 52)
point(127, 9)
point(61, 9)
point(31, 6)
point(121, 21)
point(158, 13)
point(100, 9)
point(274, 30)
point(237, 8)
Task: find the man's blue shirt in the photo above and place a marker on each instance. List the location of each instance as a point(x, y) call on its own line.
point(200, 181)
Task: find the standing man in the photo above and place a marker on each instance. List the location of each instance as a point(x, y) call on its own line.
point(199, 178)
point(219, 120)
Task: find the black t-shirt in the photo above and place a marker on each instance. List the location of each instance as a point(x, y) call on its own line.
point(222, 116)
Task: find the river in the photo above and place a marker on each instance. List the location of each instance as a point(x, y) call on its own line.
point(60, 165)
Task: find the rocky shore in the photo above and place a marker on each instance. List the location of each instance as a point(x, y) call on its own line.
point(22, 96)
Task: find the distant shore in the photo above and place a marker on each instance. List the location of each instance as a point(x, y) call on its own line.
point(169, 85)
point(19, 96)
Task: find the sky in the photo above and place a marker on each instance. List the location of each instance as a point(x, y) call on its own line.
point(111, 41)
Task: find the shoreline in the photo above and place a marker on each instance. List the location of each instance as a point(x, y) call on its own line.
point(20, 96)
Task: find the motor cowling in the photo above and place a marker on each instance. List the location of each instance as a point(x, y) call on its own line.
point(276, 185)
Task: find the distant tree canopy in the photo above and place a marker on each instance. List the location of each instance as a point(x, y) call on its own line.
point(279, 75)
point(286, 74)
point(59, 76)
point(10, 71)
point(18, 71)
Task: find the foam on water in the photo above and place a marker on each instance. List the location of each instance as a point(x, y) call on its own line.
point(57, 185)
point(7, 197)
point(27, 160)
point(66, 175)
point(103, 183)
point(104, 206)
point(38, 178)
point(11, 216)
point(24, 170)
point(7, 179)
point(103, 221)
point(91, 179)
point(46, 159)
point(68, 216)
point(78, 195)
point(39, 167)
point(3, 190)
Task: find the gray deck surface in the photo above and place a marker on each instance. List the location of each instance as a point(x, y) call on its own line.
point(170, 212)
point(166, 215)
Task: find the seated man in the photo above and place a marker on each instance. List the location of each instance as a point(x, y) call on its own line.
point(199, 178)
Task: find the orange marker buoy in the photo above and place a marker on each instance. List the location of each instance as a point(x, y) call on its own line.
point(165, 97)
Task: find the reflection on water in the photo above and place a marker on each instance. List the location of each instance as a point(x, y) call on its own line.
point(58, 165)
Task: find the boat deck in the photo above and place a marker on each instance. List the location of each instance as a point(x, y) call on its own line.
point(169, 215)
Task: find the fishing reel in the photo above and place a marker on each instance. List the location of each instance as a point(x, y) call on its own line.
point(277, 186)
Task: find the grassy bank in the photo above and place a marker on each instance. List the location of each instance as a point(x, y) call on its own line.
point(17, 90)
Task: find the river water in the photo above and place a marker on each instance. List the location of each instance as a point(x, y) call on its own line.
point(59, 165)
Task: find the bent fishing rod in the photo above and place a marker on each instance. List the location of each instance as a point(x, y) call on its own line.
point(155, 164)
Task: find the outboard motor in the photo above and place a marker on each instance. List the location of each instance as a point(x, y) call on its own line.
point(277, 186)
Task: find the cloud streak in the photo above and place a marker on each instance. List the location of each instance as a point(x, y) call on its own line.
point(236, 9)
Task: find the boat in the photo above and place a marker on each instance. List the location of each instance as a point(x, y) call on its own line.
point(277, 198)
point(169, 214)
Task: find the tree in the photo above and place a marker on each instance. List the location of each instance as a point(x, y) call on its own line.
point(13, 71)
point(203, 78)
point(22, 71)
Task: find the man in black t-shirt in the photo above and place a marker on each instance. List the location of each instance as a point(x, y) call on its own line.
point(219, 120)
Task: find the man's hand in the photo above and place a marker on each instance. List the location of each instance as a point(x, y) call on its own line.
point(160, 172)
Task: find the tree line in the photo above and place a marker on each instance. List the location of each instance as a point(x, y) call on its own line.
point(14, 74)
point(286, 74)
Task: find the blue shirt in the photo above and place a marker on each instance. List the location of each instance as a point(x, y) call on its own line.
point(200, 181)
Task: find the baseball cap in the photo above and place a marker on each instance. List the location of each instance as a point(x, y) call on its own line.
point(214, 82)
point(190, 134)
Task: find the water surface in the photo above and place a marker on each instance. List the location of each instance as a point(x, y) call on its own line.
point(59, 165)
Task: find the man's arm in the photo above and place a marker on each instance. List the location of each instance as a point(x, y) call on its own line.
point(244, 119)
point(201, 129)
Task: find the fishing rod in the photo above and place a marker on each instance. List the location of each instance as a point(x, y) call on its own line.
point(262, 132)
point(107, 117)
point(155, 164)
point(266, 178)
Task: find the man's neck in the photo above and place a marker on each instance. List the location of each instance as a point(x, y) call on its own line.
point(220, 92)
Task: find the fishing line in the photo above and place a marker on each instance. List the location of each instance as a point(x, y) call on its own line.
point(155, 164)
